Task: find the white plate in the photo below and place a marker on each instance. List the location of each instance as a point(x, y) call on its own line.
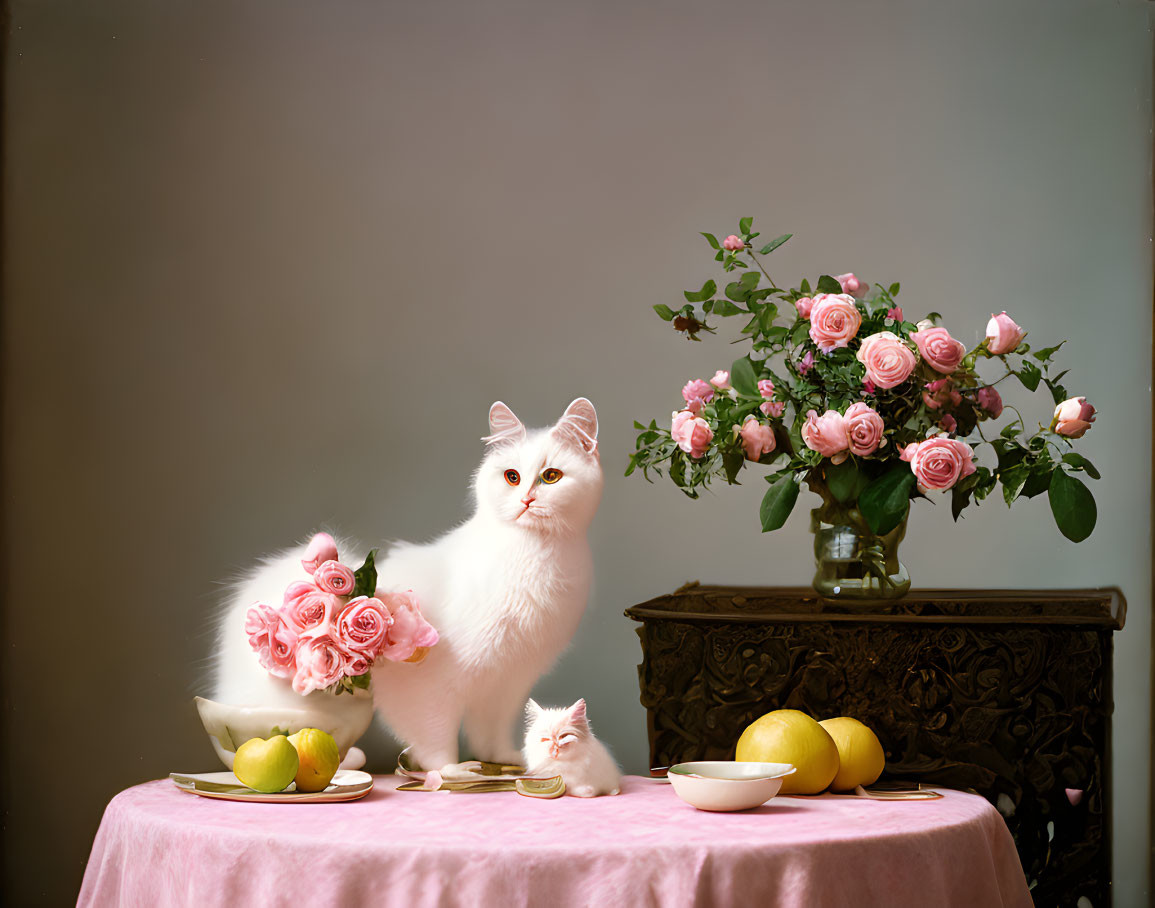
point(347, 785)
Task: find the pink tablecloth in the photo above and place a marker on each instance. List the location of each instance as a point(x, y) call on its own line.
point(159, 846)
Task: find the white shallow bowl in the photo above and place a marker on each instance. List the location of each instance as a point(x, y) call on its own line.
point(727, 784)
point(346, 718)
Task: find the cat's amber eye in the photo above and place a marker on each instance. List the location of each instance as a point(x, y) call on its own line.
point(550, 475)
point(512, 477)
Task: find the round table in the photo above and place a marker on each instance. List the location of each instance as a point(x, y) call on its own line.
point(160, 846)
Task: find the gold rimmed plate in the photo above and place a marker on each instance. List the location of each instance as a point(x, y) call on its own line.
point(347, 785)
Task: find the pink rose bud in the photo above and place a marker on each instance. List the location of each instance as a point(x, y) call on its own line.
point(988, 398)
point(766, 388)
point(695, 406)
point(409, 630)
point(826, 434)
point(930, 401)
point(938, 384)
point(939, 350)
point(939, 462)
point(868, 387)
point(691, 433)
point(757, 438)
point(864, 429)
point(949, 423)
point(834, 321)
point(804, 305)
point(697, 390)
point(772, 407)
point(887, 359)
point(908, 452)
point(806, 363)
point(321, 548)
point(955, 397)
point(1073, 417)
point(363, 625)
point(721, 380)
point(1003, 335)
point(733, 243)
point(895, 313)
point(852, 285)
point(334, 577)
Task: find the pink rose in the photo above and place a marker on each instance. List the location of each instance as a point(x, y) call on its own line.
point(1003, 335)
point(695, 406)
point(272, 639)
point(721, 380)
point(949, 423)
point(938, 384)
point(334, 577)
point(312, 611)
point(863, 429)
point(826, 434)
point(908, 452)
point(772, 407)
point(868, 386)
point(363, 625)
point(691, 433)
point(697, 390)
point(852, 285)
point(989, 399)
point(939, 350)
point(733, 243)
point(895, 313)
point(321, 548)
point(757, 438)
point(939, 462)
point(321, 663)
point(834, 321)
point(887, 359)
point(409, 629)
point(1073, 417)
point(766, 388)
point(806, 363)
point(804, 305)
point(930, 401)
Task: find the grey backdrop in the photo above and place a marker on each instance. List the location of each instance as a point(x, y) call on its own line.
point(268, 263)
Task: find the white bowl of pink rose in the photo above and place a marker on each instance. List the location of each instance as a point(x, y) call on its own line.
point(727, 784)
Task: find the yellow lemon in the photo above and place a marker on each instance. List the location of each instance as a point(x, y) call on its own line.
point(860, 756)
point(790, 736)
point(267, 766)
point(319, 759)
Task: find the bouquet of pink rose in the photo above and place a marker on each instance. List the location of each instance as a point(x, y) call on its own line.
point(329, 631)
point(867, 407)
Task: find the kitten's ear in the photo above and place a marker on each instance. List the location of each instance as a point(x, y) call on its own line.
point(504, 426)
point(577, 713)
point(579, 426)
point(532, 710)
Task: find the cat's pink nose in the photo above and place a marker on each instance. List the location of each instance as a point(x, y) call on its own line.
point(528, 500)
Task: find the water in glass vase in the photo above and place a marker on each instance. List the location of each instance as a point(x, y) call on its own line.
point(854, 563)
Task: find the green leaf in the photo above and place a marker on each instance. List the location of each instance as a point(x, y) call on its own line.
point(707, 291)
point(959, 499)
point(778, 502)
point(886, 500)
point(725, 307)
point(1030, 376)
point(1013, 480)
point(894, 288)
point(664, 311)
point(774, 244)
point(766, 320)
point(1079, 462)
point(365, 577)
point(361, 681)
point(1047, 352)
point(827, 284)
point(736, 291)
point(750, 279)
point(732, 463)
point(1073, 506)
point(744, 377)
point(745, 224)
point(712, 240)
point(845, 481)
point(1058, 392)
point(934, 317)
point(1040, 479)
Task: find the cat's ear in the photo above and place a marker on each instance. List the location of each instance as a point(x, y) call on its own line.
point(504, 426)
point(532, 710)
point(579, 426)
point(577, 713)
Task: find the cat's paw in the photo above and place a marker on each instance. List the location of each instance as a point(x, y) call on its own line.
point(585, 791)
point(354, 759)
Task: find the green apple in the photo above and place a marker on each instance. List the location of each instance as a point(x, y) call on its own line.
point(266, 766)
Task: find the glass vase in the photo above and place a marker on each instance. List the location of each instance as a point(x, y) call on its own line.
point(852, 562)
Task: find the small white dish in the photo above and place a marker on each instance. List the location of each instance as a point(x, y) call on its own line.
point(347, 785)
point(727, 784)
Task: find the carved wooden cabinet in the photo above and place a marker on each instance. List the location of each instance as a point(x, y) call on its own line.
point(1004, 692)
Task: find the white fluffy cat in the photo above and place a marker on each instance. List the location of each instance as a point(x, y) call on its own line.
point(559, 742)
point(505, 591)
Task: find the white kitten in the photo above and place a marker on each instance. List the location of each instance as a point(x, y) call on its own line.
point(558, 742)
point(505, 591)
